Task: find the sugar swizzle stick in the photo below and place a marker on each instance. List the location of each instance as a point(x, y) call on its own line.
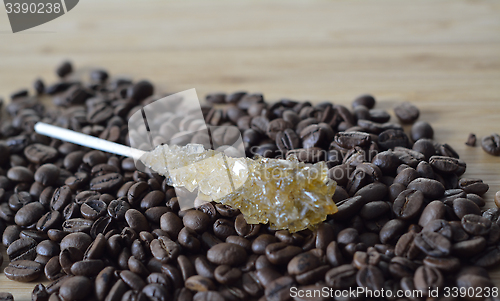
point(287, 194)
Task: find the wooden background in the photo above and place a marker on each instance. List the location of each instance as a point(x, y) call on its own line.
point(444, 56)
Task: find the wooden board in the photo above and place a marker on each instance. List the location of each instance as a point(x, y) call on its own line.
point(442, 56)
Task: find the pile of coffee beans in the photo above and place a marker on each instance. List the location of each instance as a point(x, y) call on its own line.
point(99, 229)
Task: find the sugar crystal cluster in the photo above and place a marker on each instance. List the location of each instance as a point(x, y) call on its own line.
point(287, 194)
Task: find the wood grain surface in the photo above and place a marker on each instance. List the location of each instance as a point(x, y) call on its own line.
point(443, 56)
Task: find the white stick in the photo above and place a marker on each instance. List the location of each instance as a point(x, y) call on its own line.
point(87, 140)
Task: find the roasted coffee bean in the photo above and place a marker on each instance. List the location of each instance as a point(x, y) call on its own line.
point(447, 165)
point(421, 129)
point(61, 198)
point(133, 280)
point(378, 115)
point(400, 267)
point(433, 211)
point(280, 253)
point(427, 279)
point(303, 263)
point(462, 207)
point(20, 174)
point(104, 281)
point(75, 288)
point(406, 112)
point(364, 100)
point(47, 174)
point(136, 220)
point(244, 229)
point(433, 244)
point(446, 265)
point(287, 140)
point(19, 199)
point(408, 204)
point(106, 183)
point(47, 248)
point(370, 277)
point(470, 247)
point(196, 220)
point(40, 154)
point(226, 253)
point(349, 207)
point(164, 249)
point(117, 209)
point(29, 214)
point(23, 270)
point(276, 126)
point(39, 293)
point(390, 139)
point(475, 224)
point(89, 267)
point(431, 189)
point(491, 144)
point(475, 186)
point(155, 292)
point(279, 289)
point(22, 249)
point(77, 225)
point(391, 231)
point(64, 69)
point(6, 297)
point(93, 209)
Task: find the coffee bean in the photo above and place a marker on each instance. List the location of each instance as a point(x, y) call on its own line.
point(431, 189)
point(447, 165)
point(164, 249)
point(20, 174)
point(364, 100)
point(408, 204)
point(378, 115)
point(433, 244)
point(228, 254)
point(433, 211)
point(75, 288)
point(421, 129)
point(491, 144)
point(47, 174)
point(389, 139)
point(475, 224)
point(427, 279)
point(106, 183)
point(370, 277)
point(136, 220)
point(40, 154)
point(23, 270)
point(29, 214)
point(64, 69)
point(406, 112)
point(279, 289)
point(6, 297)
point(77, 225)
point(196, 220)
point(287, 140)
point(244, 229)
point(23, 248)
point(303, 263)
point(470, 247)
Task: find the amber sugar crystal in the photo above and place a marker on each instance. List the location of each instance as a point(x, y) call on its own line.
point(287, 194)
